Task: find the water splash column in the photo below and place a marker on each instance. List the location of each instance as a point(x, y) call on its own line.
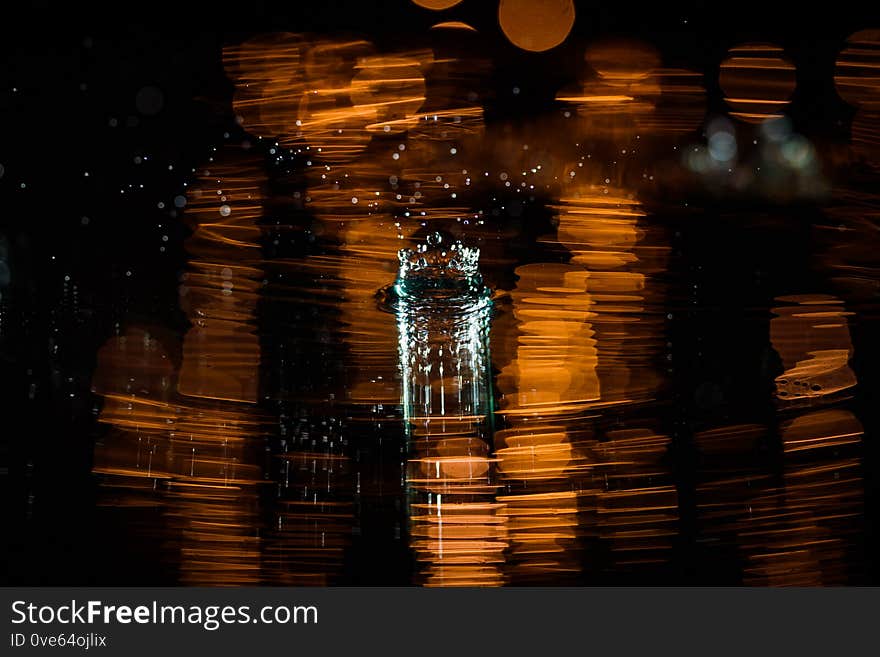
point(443, 313)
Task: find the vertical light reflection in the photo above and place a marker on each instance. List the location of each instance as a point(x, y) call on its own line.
point(542, 467)
point(200, 441)
point(816, 530)
point(549, 382)
point(213, 496)
point(606, 233)
point(602, 224)
point(554, 371)
point(588, 334)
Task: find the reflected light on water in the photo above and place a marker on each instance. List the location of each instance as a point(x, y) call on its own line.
point(619, 92)
point(206, 435)
point(549, 456)
point(457, 533)
point(813, 340)
point(857, 74)
point(758, 81)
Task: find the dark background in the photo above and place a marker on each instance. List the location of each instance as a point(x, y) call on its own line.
point(69, 84)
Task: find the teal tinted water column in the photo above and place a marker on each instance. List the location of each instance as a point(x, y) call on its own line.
point(443, 312)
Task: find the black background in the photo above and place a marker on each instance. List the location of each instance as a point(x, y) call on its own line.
point(69, 69)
